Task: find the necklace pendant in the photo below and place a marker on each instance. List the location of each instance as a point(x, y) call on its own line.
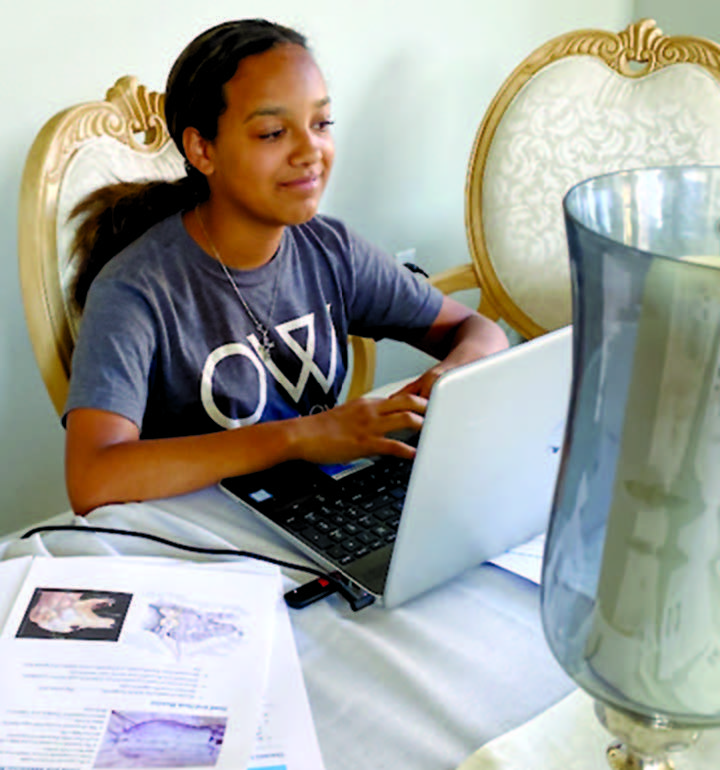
point(265, 347)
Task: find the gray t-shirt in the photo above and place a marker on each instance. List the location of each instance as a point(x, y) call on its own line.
point(166, 342)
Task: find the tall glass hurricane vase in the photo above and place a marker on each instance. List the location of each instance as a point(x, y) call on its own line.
point(631, 581)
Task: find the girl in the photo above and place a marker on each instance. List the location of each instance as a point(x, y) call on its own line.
point(230, 303)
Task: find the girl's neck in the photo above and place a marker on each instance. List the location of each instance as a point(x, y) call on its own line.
point(237, 244)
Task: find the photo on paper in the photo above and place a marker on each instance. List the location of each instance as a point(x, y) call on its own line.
point(61, 613)
point(135, 739)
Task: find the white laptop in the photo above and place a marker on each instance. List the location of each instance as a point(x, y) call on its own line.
point(482, 480)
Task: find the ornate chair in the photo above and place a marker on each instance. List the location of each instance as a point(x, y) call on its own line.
point(583, 104)
point(123, 138)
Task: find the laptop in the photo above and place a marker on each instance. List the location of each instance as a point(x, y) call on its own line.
point(481, 482)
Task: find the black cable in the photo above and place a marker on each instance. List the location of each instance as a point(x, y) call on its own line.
point(181, 546)
point(356, 598)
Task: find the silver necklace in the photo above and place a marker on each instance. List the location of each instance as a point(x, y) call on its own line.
point(266, 344)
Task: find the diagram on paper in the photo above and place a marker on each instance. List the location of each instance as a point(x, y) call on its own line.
point(187, 630)
point(142, 739)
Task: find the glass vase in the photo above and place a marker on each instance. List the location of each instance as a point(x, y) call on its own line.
point(631, 577)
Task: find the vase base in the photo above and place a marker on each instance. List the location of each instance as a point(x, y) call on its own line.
point(620, 757)
point(644, 744)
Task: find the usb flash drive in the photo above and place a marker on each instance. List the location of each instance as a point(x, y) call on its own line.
point(309, 593)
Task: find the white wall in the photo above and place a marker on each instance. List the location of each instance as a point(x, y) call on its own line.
point(410, 82)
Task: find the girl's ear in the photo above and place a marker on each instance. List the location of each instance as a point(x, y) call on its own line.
point(197, 151)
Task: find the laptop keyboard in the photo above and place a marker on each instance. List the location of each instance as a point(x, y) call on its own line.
point(359, 517)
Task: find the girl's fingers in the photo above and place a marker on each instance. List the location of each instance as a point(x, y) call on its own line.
point(403, 402)
point(388, 446)
point(400, 421)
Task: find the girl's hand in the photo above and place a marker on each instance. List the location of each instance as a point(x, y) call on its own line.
point(424, 383)
point(359, 428)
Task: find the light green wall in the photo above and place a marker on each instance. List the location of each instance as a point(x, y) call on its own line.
point(691, 17)
point(410, 82)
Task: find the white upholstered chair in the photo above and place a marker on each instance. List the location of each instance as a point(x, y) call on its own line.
point(123, 138)
point(585, 103)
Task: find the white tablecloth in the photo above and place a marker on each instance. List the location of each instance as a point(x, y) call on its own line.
point(419, 687)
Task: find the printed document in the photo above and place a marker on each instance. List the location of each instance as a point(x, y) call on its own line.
point(136, 663)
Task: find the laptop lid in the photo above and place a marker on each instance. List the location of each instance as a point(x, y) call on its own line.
point(486, 465)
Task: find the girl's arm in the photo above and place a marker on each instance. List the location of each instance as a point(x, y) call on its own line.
point(458, 335)
point(107, 462)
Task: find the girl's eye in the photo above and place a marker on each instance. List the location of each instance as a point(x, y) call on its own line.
point(324, 125)
point(272, 134)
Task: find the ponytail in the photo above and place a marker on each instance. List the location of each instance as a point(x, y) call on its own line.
point(116, 215)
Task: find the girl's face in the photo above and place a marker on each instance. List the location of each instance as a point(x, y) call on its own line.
point(272, 156)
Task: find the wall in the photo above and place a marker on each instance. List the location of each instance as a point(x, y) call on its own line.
point(409, 83)
point(695, 17)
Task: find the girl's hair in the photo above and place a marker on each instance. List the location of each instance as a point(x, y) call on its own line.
point(114, 216)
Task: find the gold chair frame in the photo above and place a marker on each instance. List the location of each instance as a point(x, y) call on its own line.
point(637, 51)
point(134, 116)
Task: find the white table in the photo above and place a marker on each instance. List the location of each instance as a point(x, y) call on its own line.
point(419, 687)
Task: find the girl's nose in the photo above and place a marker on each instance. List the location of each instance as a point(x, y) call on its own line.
point(307, 149)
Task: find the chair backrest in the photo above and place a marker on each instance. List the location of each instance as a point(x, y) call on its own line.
point(585, 103)
point(83, 148)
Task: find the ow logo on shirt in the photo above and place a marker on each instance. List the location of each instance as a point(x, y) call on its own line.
point(263, 364)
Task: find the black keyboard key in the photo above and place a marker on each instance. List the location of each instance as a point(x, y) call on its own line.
point(295, 523)
point(337, 535)
point(297, 507)
point(384, 514)
point(378, 501)
point(315, 537)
